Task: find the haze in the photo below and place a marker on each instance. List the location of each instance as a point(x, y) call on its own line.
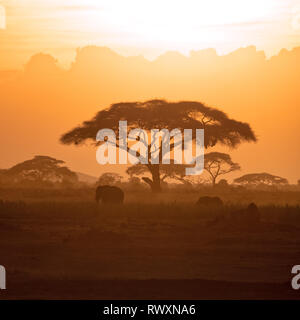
point(43, 101)
point(48, 87)
point(148, 28)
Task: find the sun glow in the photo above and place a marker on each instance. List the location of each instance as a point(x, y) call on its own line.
point(175, 24)
point(146, 27)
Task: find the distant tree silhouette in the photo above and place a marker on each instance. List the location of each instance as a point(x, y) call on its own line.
point(223, 183)
point(298, 182)
point(134, 183)
point(255, 179)
point(171, 171)
point(40, 170)
point(217, 164)
point(109, 178)
point(161, 114)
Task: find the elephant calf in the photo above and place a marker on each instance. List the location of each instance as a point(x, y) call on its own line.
point(109, 194)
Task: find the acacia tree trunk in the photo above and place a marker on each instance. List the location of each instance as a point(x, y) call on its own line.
point(212, 177)
point(156, 187)
point(155, 182)
point(214, 181)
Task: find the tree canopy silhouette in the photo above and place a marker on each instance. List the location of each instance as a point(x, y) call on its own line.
point(217, 164)
point(255, 179)
point(109, 178)
point(41, 170)
point(161, 114)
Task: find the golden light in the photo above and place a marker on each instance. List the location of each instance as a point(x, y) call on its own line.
point(173, 23)
point(147, 27)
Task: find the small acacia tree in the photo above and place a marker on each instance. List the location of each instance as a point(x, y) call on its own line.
point(109, 178)
point(160, 114)
point(167, 171)
point(217, 164)
point(256, 179)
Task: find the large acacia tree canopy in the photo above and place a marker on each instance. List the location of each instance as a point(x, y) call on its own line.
point(160, 114)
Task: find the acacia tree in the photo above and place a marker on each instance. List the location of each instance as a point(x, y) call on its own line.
point(255, 179)
point(171, 171)
point(160, 114)
point(40, 170)
point(217, 164)
point(109, 178)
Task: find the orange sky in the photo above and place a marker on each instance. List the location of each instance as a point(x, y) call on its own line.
point(49, 95)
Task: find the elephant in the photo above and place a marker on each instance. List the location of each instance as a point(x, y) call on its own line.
point(109, 194)
point(214, 202)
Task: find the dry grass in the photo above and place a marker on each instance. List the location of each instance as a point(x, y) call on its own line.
point(149, 237)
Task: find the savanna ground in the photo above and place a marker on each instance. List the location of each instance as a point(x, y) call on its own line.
point(59, 244)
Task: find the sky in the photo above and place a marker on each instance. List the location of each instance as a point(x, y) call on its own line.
point(139, 27)
point(49, 94)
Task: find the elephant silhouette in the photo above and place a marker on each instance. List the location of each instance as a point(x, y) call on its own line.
point(215, 202)
point(109, 194)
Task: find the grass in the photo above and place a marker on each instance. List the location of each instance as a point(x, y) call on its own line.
point(70, 239)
